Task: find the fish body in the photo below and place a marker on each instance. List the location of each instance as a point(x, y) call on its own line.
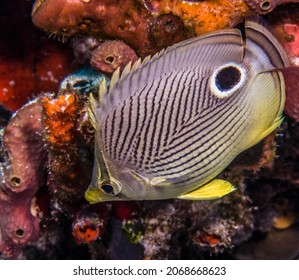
point(168, 126)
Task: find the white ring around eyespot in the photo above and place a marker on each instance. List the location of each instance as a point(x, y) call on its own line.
point(222, 94)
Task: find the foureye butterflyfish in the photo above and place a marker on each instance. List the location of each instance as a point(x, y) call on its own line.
point(168, 125)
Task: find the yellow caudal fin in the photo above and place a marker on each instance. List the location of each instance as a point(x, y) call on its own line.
point(216, 188)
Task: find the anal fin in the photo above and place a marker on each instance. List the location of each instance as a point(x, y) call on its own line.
point(216, 188)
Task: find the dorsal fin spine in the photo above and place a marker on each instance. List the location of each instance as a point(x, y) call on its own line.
point(145, 60)
point(126, 70)
point(114, 78)
point(136, 64)
point(102, 89)
point(93, 103)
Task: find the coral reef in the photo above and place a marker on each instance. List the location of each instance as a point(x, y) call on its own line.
point(140, 24)
point(284, 22)
point(84, 81)
point(169, 27)
point(266, 6)
point(22, 78)
point(69, 156)
point(101, 19)
point(83, 48)
point(291, 76)
point(22, 172)
point(110, 55)
point(90, 222)
point(39, 65)
point(202, 16)
point(24, 156)
point(208, 227)
point(46, 156)
point(293, 31)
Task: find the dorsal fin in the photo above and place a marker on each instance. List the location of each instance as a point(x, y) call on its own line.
point(114, 79)
point(258, 34)
point(95, 102)
point(146, 59)
point(102, 89)
point(136, 64)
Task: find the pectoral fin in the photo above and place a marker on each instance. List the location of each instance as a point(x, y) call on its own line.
point(212, 190)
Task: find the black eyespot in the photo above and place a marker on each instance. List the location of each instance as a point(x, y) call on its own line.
point(107, 188)
point(227, 78)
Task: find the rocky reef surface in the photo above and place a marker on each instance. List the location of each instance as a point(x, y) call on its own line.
point(47, 69)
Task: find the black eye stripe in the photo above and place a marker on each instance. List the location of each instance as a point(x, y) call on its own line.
point(227, 78)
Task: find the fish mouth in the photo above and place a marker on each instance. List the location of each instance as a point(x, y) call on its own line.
point(92, 195)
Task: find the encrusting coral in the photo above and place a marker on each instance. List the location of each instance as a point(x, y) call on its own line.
point(69, 156)
point(202, 16)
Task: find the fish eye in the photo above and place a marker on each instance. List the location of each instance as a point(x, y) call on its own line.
point(107, 188)
point(111, 187)
point(227, 79)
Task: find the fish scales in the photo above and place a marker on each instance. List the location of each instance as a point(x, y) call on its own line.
point(168, 127)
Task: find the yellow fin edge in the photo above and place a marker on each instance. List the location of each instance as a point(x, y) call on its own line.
point(216, 188)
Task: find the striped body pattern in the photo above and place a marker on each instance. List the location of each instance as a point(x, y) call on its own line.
point(171, 135)
point(169, 125)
